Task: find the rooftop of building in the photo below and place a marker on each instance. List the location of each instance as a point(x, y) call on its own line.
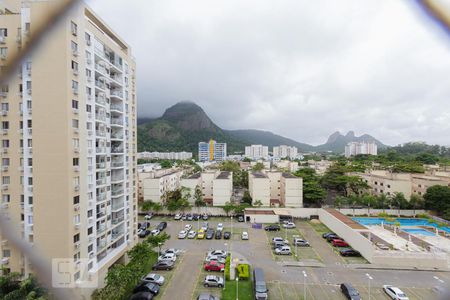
point(259, 175)
point(259, 212)
point(288, 175)
point(195, 176)
point(224, 175)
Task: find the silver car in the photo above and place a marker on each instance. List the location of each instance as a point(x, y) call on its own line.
point(213, 280)
point(153, 278)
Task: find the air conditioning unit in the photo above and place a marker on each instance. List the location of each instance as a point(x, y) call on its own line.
point(3, 57)
point(76, 150)
point(29, 91)
point(30, 130)
point(76, 207)
point(30, 189)
point(77, 226)
point(77, 245)
point(3, 94)
point(29, 72)
point(76, 168)
point(75, 110)
point(5, 168)
point(74, 52)
point(5, 187)
point(4, 112)
point(77, 188)
point(75, 92)
point(30, 111)
point(75, 72)
point(88, 42)
point(30, 150)
point(89, 61)
point(89, 79)
point(2, 40)
point(90, 132)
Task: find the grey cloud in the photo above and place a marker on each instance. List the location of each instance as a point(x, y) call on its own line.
point(302, 69)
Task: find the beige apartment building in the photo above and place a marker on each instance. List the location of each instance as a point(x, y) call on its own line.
point(154, 184)
point(386, 182)
point(216, 186)
point(68, 152)
point(274, 188)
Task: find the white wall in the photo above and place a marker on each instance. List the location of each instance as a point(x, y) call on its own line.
point(262, 218)
point(222, 191)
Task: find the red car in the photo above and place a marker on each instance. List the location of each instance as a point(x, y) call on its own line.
point(340, 243)
point(214, 266)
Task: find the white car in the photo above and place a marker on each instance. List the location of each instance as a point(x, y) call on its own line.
point(171, 251)
point(153, 278)
point(192, 234)
point(217, 258)
point(289, 225)
point(177, 217)
point(280, 240)
point(182, 234)
point(219, 227)
point(167, 256)
point(187, 227)
point(218, 253)
point(244, 235)
point(285, 250)
point(155, 232)
point(394, 292)
point(148, 216)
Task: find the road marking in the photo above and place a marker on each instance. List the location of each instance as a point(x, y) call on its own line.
point(281, 292)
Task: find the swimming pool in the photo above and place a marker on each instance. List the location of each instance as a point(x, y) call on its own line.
point(418, 231)
point(403, 222)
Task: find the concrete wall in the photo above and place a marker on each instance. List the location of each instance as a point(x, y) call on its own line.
point(292, 191)
point(353, 237)
point(259, 189)
point(223, 190)
point(262, 218)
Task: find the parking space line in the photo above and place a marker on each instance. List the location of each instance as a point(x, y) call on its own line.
point(324, 290)
point(281, 291)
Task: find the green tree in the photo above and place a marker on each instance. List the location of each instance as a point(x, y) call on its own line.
point(257, 203)
point(416, 202)
point(147, 205)
point(157, 240)
point(228, 207)
point(437, 198)
point(369, 201)
point(313, 193)
point(157, 207)
point(230, 166)
point(247, 198)
point(399, 201)
point(258, 167)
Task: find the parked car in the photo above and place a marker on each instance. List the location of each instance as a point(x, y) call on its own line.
point(218, 253)
point(167, 257)
point(327, 234)
point(349, 252)
point(214, 266)
point(171, 251)
point(205, 217)
point(216, 258)
point(196, 217)
point(161, 226)
point(289, 225)
point(213, 280)
point(244, 235)
point(189, 217)
point(144, 225)
point(183, 217)
point(240, 218)
point(301, 242)
point(394, 292)
point(177, 217)
point(259, 284)
point(272, 228)
point(148, 216)
point(219, 226)
point(209, 233)
point(182, 234)
point(350, 292)
point(155, 232)
point(278, 239)
point(163, 265)
point(339, 243)
point(226, 235)
point(142, 296)
point(332, 237)
point(142, 233)
point(218, 235)
point(205, 226)
point(207, 296)
point(153, 278)
point(278, 245)
point(147, 287)
point(187, 227)
point(285, 250)
point(192, 234)
point(201, 234)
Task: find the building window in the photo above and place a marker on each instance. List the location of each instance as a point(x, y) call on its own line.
point(3, 32)
point(74, 66)
point(75, 123)
point(3, 52)
point(6, 198)
point(87, 37)
point(76, 161)
point(75, 86)
point(5, 125)
point(76, 238)
point(6, 253)
point(73, 28)
point(5, 106)
point(75, 104)
point(6, 180)
point(5, 162)
point(5, 143)
point(76, 200)
point(74, 47)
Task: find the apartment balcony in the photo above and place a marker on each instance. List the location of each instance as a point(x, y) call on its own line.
point(101, 229)
point(100, 117)
point(100, 133)
point(101, 69)
point(118, 78)
point(117, 164)
point(117, 179)
point(100, 84)
point(117, 136)
point(117, 150)
point(117, 192)
point(117, 220)
point(100, 100)
point(117, 206)
point(100, 150)
point(101, 197)
point(101, 213)
point(101, 244)
point(101, 181)
point(116, 234)
point(117, 94)
point(116, 107)
point(101, 165)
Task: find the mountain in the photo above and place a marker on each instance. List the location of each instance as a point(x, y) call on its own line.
point(185, 124)
point(337, 142)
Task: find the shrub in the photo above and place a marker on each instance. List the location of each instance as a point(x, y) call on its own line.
point(227, 267)
point(383, 215)
point(423, 216)
point(243, 271)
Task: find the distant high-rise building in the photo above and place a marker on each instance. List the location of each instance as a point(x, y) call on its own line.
point(355, 148)
point(212, 151)
point(257, 152)
point(68, 163)
point(284, 151)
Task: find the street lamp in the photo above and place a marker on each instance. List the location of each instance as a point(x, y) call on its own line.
point(237, 288)
point(231, 225)
point(369, 278)
point(304, 284)
point(225, 277)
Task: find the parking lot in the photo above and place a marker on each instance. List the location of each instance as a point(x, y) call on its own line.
point(284, 277)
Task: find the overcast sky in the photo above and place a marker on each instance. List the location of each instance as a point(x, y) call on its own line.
point(302, 69)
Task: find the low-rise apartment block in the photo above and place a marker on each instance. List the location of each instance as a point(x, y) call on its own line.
point(386, 182)
point(216, 186)
point(257, 152)
point(284, 151)
point(320, 166)
point(290, 166)
point(165, 155)
point(274, 188)
point(154, 184)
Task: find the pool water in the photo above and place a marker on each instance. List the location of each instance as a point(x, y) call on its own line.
point(419, 231)
point(403, 222)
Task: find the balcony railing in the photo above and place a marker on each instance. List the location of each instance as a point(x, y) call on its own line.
point(117, 121)
point(101, 165)
point(117, 164)
point(100, 100)
point(101, 69)
point(118, 136)
point(116, 192)
point(100, 84)
point(117, 206)
point(100, 117)
point(115, 221)
point(100, 149)
point(117, 107)
point(117, 93)
point(101, 181)
point(115, 235)
point(117, 150)
point(117, 178)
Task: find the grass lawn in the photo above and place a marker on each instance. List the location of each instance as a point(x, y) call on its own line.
point(245, 288)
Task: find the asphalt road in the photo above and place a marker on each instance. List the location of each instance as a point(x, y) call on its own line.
point(286, 282)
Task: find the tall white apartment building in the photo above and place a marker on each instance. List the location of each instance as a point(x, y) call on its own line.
point(68, 145)
point(284, 151)
point(212, 151)
point(165, 155)
point(257, 152)
point(355, 148)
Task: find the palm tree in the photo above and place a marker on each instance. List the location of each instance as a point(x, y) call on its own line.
point(416, 201)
